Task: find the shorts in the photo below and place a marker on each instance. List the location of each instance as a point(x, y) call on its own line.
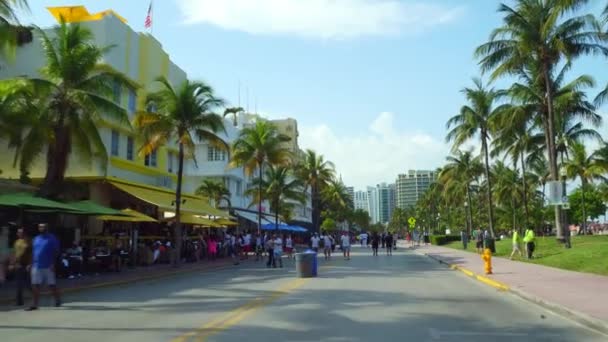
point(247, 248)
point(277, 254)
point(288, 249)
point(327, 249)
point(479, 244)
point(42, 276)
point(346, 248)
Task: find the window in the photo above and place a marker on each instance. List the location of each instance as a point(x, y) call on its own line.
point(215, 154)
point(169, 162)
point(116, 88)
point(115, 142)
point(239, 187)
point(132, 101)
point(150, 159)
point(129, 148)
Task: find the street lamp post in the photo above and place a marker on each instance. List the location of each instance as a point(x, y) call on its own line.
point(466, 215)
point(565, 207)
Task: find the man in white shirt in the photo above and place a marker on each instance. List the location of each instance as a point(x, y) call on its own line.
point(364, 240)
point(314, 242)
point(278, 251)
point(345, 244)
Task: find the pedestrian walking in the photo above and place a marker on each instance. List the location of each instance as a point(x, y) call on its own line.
point(289, 247)
point(529, 240)
point(270, 251)
point(4, 253)
point(345, 245)
point(375, 243)
point(22, 262)
point(478, 240)
point(515, 244)
point(45, 251)
point(314, 242)
point(278, 252)
point(389, 244)
point(327, 241)
point(427, 238)
point(383, 239)
point(464, 238)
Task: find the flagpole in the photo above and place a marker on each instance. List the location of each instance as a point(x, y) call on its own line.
point(152, 17)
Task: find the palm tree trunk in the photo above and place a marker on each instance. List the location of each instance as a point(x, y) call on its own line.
point(470, 206)
point(260, 172)
point(178, 205)
point(276, 215)
point(550, 138)
point(513, 212)
point(583, 183)
point(484, 146)
point(315, 208)
point(58, 153)
point(525, 187)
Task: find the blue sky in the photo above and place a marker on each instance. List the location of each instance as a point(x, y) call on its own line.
point(371, 82)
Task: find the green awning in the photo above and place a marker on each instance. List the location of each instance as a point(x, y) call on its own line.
point(30, 201)
point(92, 208)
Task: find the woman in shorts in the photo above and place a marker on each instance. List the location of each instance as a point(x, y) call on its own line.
point(289, 247)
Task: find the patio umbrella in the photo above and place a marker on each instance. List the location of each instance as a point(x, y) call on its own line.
point(272, 226)
point(28, 201)
point(129, 215)
point(225, 222)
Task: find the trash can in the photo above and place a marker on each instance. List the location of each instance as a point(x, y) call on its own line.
point(306, 264)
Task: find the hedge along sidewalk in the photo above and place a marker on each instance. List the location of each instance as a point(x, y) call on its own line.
point(579, 296)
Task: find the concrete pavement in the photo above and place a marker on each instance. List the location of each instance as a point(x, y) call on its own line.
point(403, 297)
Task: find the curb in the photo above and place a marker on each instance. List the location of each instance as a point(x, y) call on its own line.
point(9, 300)
point(587, 321)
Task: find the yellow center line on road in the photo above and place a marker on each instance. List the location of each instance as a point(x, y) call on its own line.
point(237, 315)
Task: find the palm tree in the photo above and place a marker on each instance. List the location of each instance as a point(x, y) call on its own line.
point(74, 97)
point(507, 190)
point(477, 118)
point(458, 175)
point(234, 111)
point(316, 172)
point(214, 190)
point(540, 35)
point(176, 114)
point(257, 146)
point(586, 167)
point(12, 34)
point(335, 198)
point(280, 186)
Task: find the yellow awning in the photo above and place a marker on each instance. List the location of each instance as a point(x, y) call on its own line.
point(197, 221)
point(134, 216)
point(225, 222)
point(76, 14)
point(165, 200)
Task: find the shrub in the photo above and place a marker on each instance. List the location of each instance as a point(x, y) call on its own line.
point(439, 240)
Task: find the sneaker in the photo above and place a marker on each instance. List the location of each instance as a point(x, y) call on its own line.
point(31, 308)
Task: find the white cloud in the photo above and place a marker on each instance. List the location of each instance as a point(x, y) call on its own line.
point(326, 19)
point(378, 155)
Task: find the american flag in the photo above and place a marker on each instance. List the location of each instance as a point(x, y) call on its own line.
point(148, 22)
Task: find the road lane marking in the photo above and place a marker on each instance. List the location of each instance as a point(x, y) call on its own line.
point(237, 315)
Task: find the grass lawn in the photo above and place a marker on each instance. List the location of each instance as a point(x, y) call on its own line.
point(588, 253)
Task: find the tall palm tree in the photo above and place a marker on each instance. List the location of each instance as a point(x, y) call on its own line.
point(458, 175)
point(256, 147)
point(508, 190)
point(336, 199)
point(280, 186)
point(180, 114)
point(234, 111)
point(541, 35)
point(586, 167)
point(214, 190)
point(477, 118)
point(12, 34)
point(74, 96)
point(316, 172)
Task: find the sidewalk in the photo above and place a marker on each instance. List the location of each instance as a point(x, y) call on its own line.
point(571, 293)
point(128, 275)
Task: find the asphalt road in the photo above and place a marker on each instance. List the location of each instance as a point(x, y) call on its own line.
point(404, 297)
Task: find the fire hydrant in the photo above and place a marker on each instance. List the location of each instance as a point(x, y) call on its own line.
point(487, 260)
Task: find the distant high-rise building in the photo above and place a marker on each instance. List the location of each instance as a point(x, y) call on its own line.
point(351, 193)
point(372, 204)
point(392, 199)
point(386, 201)
point(411, 186)
point(361, 202)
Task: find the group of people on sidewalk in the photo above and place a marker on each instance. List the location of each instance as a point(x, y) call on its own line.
point(33, 262)
point(483, 241)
